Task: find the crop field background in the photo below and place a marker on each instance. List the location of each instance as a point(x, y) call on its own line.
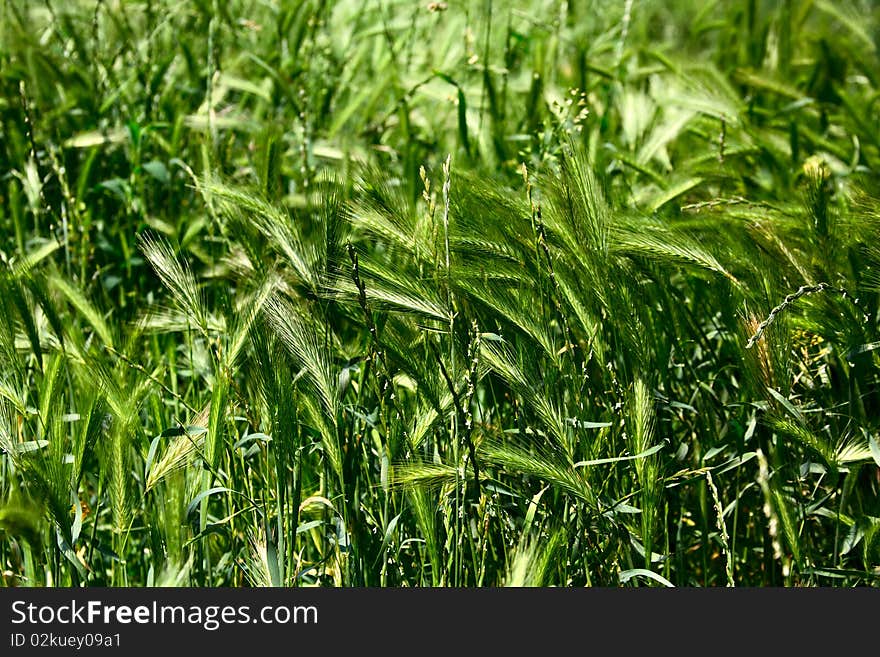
point(466, 293)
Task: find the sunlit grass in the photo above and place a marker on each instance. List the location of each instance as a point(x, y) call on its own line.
point(439, 294)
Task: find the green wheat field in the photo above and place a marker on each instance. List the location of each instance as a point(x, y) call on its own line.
point(392, 294)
